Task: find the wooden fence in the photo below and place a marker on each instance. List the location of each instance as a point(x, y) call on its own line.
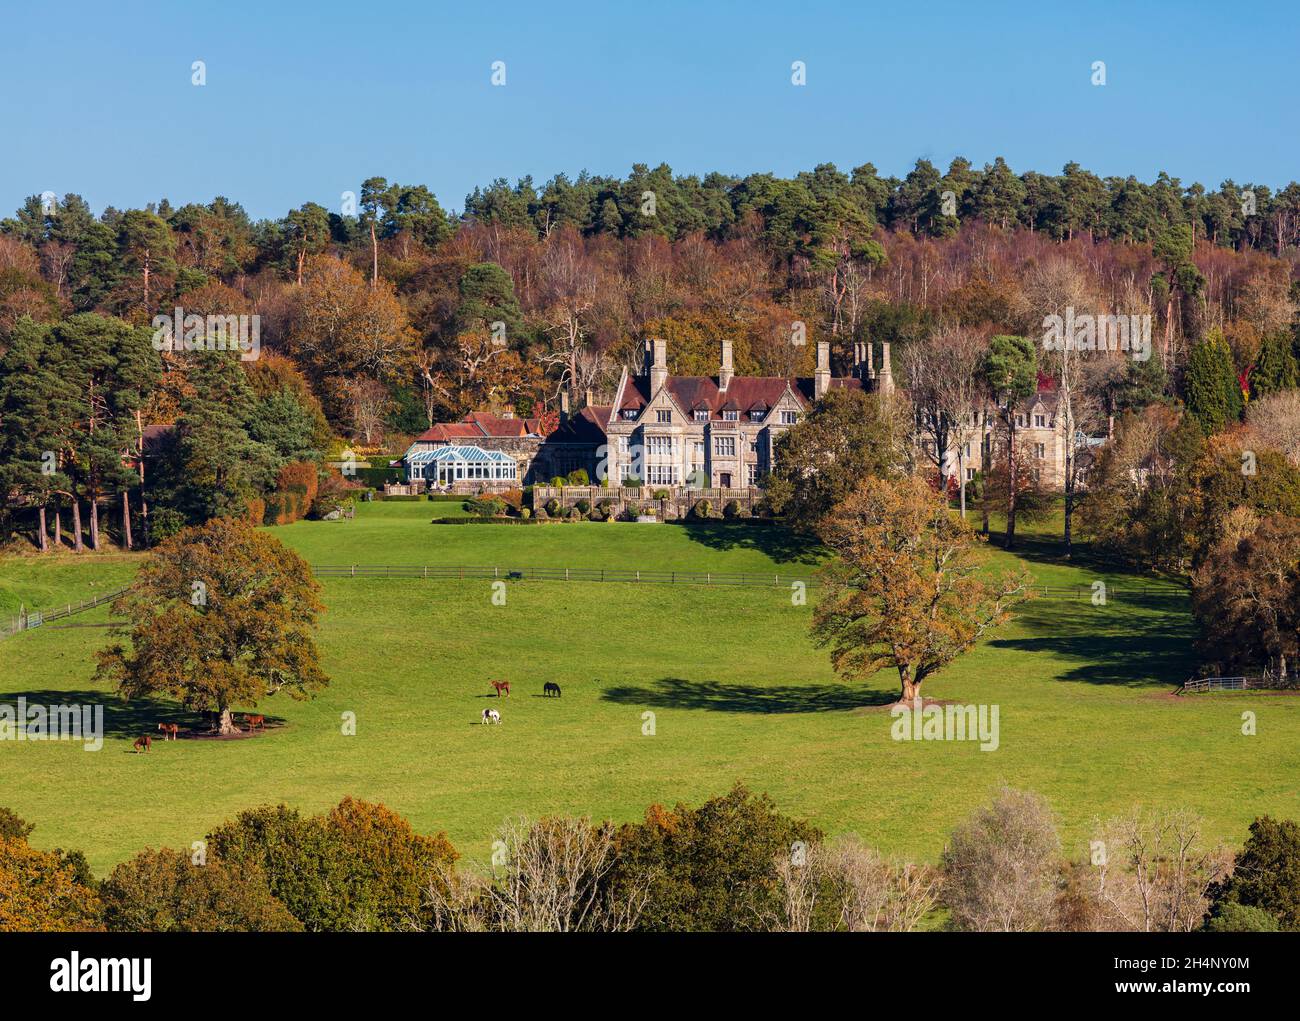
point(35, 618)
point(1260, 682)
point(652, 576)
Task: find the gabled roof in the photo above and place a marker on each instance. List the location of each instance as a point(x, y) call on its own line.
point(587, 426)
point(481, 424)
point(701, 393)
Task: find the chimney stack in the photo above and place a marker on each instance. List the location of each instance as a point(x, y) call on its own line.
point(822, 377)
point(564, 406)
point(725, 370)
point(862, 367)
point(590, 400)
point(886, 382)
point(659, 367)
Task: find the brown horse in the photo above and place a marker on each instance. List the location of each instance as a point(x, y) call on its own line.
point(254, 722)
point(169, 731)
point(502, 686)
point(142, 743)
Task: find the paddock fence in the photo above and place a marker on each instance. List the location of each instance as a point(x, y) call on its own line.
point(29, 619)
point(1256, 682)
point(774, 579)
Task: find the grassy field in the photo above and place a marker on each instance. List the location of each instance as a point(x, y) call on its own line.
point(737, 690)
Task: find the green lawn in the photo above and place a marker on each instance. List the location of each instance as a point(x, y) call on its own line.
point(737, 690)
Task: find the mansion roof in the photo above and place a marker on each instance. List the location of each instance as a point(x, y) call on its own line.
point(480, 424)
point(743, 393)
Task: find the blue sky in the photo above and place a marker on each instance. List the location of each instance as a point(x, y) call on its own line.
point(303, 101)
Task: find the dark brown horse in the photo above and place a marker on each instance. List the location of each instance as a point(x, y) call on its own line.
point(142, 743)
point(502, 687)
point(254, 721)
point(169, 731)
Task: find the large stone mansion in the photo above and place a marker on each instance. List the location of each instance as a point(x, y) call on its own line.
point(691, 432)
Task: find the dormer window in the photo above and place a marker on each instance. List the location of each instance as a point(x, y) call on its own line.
point(701, 414)
point(630, 414)
point(731, 416)
point(756, 416)
point(1040, 421)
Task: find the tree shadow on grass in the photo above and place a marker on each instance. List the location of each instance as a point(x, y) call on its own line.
point(121, 719)
point(679, 693)
point(1137, 640)
point(774, 541)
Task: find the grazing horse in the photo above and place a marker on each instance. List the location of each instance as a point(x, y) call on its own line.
point(254, 721)
point(491, 716)
point(169, 731)
point(502, 686)
point(550, 687)
point(142, 743)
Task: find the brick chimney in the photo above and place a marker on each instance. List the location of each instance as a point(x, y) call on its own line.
point(725, 370)
point(822, 377)
point(658, 364)
point(564, 406)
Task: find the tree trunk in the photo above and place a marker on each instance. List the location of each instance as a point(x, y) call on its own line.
point(986, 466)
point(1069, 510)
point(911, 689)
point(126, 519)
point(961, 479)
point(42, 539)
point(226, 722)
point(94, 523)
point(1011, 481)
point(144, 504)
point(58, 527)
point(374, 254)
point(76, 526)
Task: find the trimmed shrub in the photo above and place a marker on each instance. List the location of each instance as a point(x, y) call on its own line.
point(596, 514)
point(552, 507)
point(732, 509)
point(579, 477)
point(525, 513)
point(559, 482)
point(703, 509)
point(583, 506)
point(632, 512)
point(485, 506)
point(542, 514)
point(661, 494)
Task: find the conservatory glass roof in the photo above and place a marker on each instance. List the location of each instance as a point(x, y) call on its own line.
point(460, 455)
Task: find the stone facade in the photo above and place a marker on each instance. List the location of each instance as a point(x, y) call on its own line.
point(715, 432)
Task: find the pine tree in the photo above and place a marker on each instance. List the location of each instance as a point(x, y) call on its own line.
point(1213, 392)
point(1275, 368)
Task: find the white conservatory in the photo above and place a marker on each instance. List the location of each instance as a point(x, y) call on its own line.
point(463, 466)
